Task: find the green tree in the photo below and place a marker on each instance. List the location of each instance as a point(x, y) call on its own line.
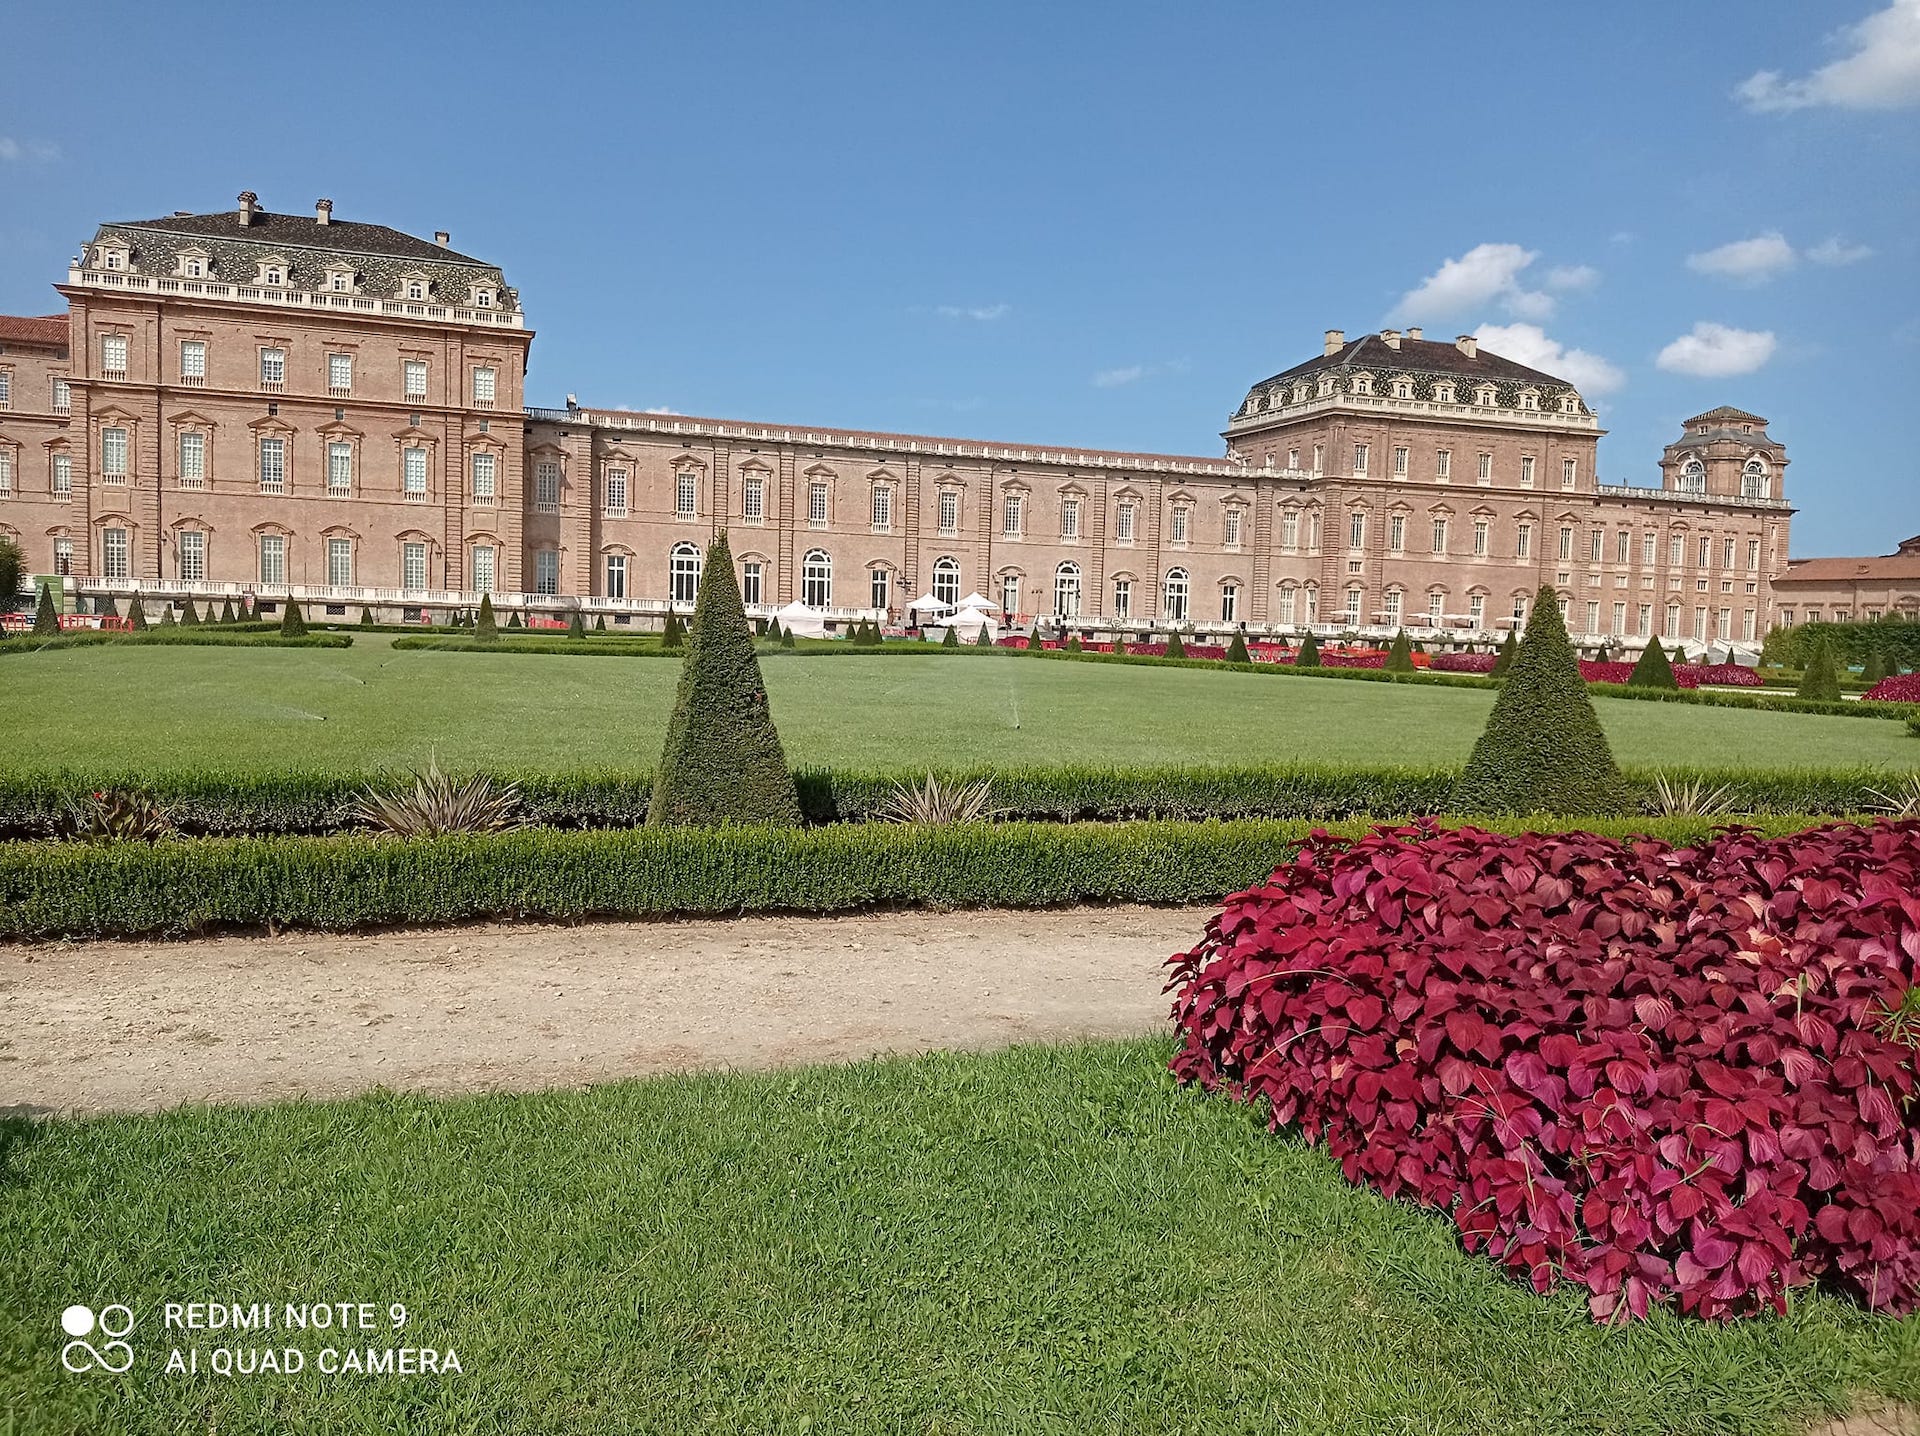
point(107, 608)
point(226, 611)
point(1175, 648)
point(576, 625)
point(1072, 645)
point(1875, 668)
point(137, 615)
point(486, 627)
point(786, 637)
point(167, 619)
point(1821, 681)
point(1509, 648)
point(1543, 750)
point(1400, 656)
point(292, 625)
point(189, 616)
point(670, 631)
point(600, 623)
point(952, 640)
point(366, 616)
point(46, 618)
point(773, 630)
point(1237, 650)
point(1309, 654)
point(1653, 669)
point(13, 568)
point(722, 761)
point(514, 620)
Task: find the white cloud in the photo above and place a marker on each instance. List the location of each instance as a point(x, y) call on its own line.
point(1717, 351)
point(1749, 261)
point(1483, 274)
point(1572, 278)
point(33, 151)
point(660, 409)
point(1881, 71)
point(1837, 251)
point(1114, 378)
point(1528, 344)
point(1622, 236)
point(973, 311)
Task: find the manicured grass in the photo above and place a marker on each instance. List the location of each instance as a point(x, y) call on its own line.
point(1050, 1239)
point(371, 707)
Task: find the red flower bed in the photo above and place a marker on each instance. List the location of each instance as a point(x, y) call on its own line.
point(1724, 675)
point(1901, 688)
point(1352, 658)
point(1464, 662)
point(1661, 1074)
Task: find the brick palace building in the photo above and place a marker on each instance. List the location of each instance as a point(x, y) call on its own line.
point(299, 406)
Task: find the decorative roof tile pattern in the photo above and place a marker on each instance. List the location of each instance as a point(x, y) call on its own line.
point(45, 330)
point(1428, 356)
point(1842, 570)
point(342, 236)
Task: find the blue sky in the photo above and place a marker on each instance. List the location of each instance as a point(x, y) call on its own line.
point(1070, 223)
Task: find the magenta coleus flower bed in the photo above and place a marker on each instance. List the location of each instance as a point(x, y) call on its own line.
point(1901, 688)
point(1663, 1075)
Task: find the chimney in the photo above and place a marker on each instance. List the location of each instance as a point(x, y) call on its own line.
point(1392, 337)
point(442, 238)
point(1413, 334)
point(249, 206)
point(1468, 346)
point(323, 212)
point(1336, 341)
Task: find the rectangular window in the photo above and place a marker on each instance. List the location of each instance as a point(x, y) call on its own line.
point(1397, 533)
point(686, 494)
point(339, 470)
point(6, 473)
point(616, 575)
point(1360, 454)
point(62, 476)
point(1676, 550)
point(1439, 535)
point(483, 568)
point(1356, 531)
point(273, 368)
point(1443, 464)
point(1319, 458)
point(750, 582)
point(881, 586)
point(193, 461)
point(1070, 518)
point(1619, 618)
point(1400, 463)
point(483, 476)
point(273, 558)
point(1593, 546)
point(1229, 602)
point(193, 361)
point(1486, 468)
point(1394, 600)
point(1753, 553)
point(1523, 541)
point(616, 493)
point(1726, 553)
point(883, 512)
point(1649, 549)
point(113, 356)
point(1010, 594)
point(413, 474)
point(1010, 518)
point(339, 562)
point(1179, 534)
point(546, 487)
point(817, 504)
point(1286, 605)
point(949, 511)
point(116, 557)
point(1593, 618)
point(1746, 625)
point(113, 455)
point(1622, 547)
point(6, 389)
point(1123, 524)
point(413, 566)
point(339, 375)
point(484, 379)
point(414, 378)
point(273, 464)
point(1354, 597)
point(62, 397)
point(1568, 469)
point(1477, 610)
point(1645, 620)
point(1566, 545)
point(193, 555)
point(1526, 471)
point(1122, 597)
point(1699, 623)
point(1706, 554)
point(1289, 531)
point(546, 571)
point(1481, 530)
point(753, 498)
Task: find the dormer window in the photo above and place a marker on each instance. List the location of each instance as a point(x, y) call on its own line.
point(112, 254)
point(340, 279)
point(1693, 477)
point(1326, 387)
point(1570, 403)
point(272, 271)
point(1529, 399)
point(413, 286)
point(1299, 393)
point(1484, 396)
point(483, 295)
point(191, 264)
point(1363, 383)
point(1443, 394)
point(1754, 482)
point(1403, 388)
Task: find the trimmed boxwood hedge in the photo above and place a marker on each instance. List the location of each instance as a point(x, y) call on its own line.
point(187, 636)
point(175, 888)
point(241, 804)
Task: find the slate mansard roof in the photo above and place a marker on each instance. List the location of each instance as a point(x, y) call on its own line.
point(340, 236)
point(1427, 356)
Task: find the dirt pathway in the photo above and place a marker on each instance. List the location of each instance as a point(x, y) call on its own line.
point(104, 1027)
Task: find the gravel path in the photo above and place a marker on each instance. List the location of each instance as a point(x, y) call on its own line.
point(119, 1027)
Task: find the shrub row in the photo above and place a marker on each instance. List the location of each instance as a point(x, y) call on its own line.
point(241, 804)
point(1660, 1074)
point(597, 645)
point(1895, 640)
point(349, 881)
point(1764, 702)
point(252, 636)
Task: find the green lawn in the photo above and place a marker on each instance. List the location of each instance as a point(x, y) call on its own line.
point(372, 707)
point(1049, 1239)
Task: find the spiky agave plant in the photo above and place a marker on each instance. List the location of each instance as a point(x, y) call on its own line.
point(118, 815)
point(1902, 800)
point(440, 803)
point(1687, 797)
point(935, 801)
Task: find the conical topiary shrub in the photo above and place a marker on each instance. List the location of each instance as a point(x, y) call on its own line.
point(772, 630)
point(722, 761)
point(1400, 656)
point(1237, 650)
point(226, 611)
point(1309, 654)
point(1543, 750)
point(486, 627)
point(1072, 645)
point(670, 631)
point(1875, 668)
point(107, 608)
point(514, 620)
point(952, 640)
point(188, 617)
point(137, 615)
point(1507, 651)
point(167, 619)
point(292, 625)
point(576, 625)
point(366, 616)
point(1175, 648)
point(46, 618)
point(1653, 670)
point(1821, 681)
point(786, 638)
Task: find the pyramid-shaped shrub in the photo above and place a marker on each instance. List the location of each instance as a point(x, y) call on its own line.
point(951, 640)
point(137, 615)
point(1542, 750)
point(1508, 649)
point(1400, 656)
point(167, 620)
point(722, 762)
point(486, 627)
point(226, 611)
point(1175, 648)
point(1821, 681)
point(1875, 668)
point(1653, 670)
point(1309, 654)
point(576, 625)
point(46, 618)
point(188, 616)
point(1237, 650)
point(671, 633)
point(292, 625)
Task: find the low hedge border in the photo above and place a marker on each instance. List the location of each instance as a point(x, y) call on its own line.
point(179, 888)
point(237, 805)
point(253, 636)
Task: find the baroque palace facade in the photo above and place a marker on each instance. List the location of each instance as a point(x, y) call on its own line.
point(298, 406)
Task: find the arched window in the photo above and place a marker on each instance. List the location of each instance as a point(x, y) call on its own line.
point(683, 571)
point(1173, 602)
point(1754, 483)
point(1066, 590)
point(816, 579)
point(1693, 477)
point(946, 580)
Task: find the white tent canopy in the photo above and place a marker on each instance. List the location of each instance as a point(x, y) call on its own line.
point(981, 602)
point(796, 618)
point(974, 623)
point(927, 603)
